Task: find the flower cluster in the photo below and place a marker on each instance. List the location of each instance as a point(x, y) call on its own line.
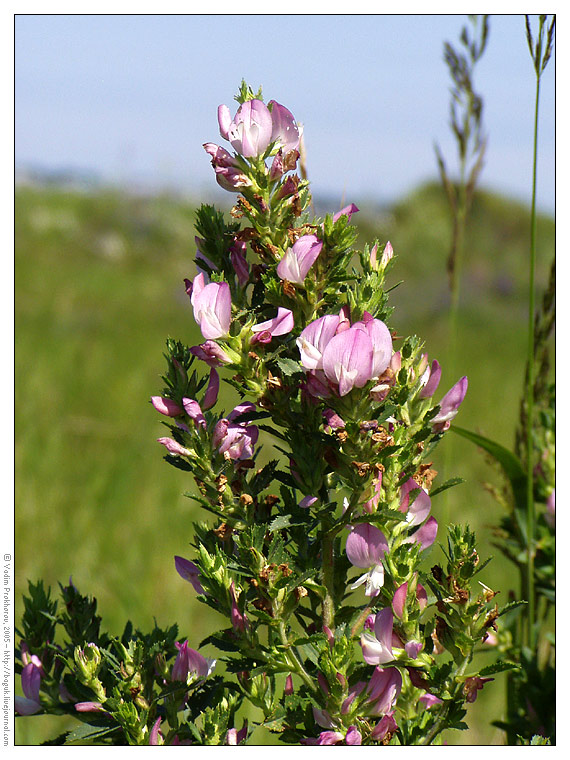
point(336, 631)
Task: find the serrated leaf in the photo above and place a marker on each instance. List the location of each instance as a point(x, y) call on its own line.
point(444, 486)
point(498, 667)
point(283, 521)
point(86, 732)
point(289, 366)
point(511, 606)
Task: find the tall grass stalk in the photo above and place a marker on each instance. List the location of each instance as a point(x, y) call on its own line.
point(466, 109)
point(540, 53)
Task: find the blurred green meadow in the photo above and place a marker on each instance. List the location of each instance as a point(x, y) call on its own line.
point(99, 288)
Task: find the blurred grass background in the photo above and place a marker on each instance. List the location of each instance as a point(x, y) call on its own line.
point(98, 288)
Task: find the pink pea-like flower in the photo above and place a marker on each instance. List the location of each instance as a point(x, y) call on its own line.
point(236, 440)
point(212, 306)
point(315, 338)
point(189, 661)
point(449, 405)
point(381, 342)
point(211, 353)
point(299, 258)
point(348, 360)
point(425, 535)
point(228, 172)
point(284, 129)
point(31, 680)
point(250, 130)
point(430, 380)
point(189, 572)
point(472, 685)
point(239, 620)
point(377, 648)
point(420, 508)
point(281, 324)
point(386, 726)
point(166, 406)
point(346, 211)
point(173, 447)
point(365, 548)
point(383, 690)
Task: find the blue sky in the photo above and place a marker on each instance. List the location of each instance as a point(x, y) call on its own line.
point(135, 96)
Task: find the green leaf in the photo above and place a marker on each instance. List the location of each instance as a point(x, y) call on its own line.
point(498, 667)
point(510, 463)
point(511, 606)
point(283, 521)
point(444, 486)
point(88, 733)
point(289, 366)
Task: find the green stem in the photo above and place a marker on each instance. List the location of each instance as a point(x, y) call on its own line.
point(530, 517)
point(328, 580)
point(296, 664)
point(439, 722)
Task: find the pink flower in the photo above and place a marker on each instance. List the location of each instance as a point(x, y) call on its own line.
point(449, 405)
point(370, 505)
point(155, 737)
point(250, 130)
point(353, 737)
point(381, 342)
point(189, 661)
point(429, 700)
point(365, 548)
point(211, 353)
point(189, 572)
point(239, 620)
point(239, 262)
point(236, 440)
point(229, 175)
point(420, 508)
point(89, 707)
point(430, 380)
point(386, 726)
point(166, 406)
point(299, 258)
point(314, 339)
point(280, 325)
point(413, 648)
point(193, 410)
point(329, 738)
point(472, 686)
point(284, 130)
point(347, 360)
point(173, 447)
point(235, 737)
point(377, 648)
point(31, 677)
point(383, 690)
point(424, 536)
point(211, 395)
point(212, 307)
point(346, 211)
point(399, 598)
point(349, 356)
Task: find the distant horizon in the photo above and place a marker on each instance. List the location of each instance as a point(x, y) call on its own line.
point(65, 176)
